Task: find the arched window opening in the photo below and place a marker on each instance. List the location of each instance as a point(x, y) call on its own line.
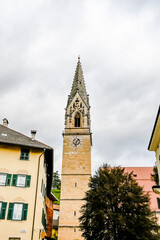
point(77, 120)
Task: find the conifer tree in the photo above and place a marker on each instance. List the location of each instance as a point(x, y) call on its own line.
point(56, 182)
point(116, 208)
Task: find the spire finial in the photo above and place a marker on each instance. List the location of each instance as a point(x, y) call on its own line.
point(79, 58)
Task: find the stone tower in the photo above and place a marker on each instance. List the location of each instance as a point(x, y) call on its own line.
point(76, 164)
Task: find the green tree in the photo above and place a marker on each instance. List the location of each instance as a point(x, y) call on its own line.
point(116, 208)
point(155, 175)
point(56, 182)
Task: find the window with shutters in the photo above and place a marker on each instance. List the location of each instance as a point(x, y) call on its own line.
point(3, 206)
point(17, 211)
point(5, 179)
point(24, 154)
point(20, 180)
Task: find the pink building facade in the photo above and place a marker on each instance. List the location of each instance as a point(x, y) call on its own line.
point(143, 176)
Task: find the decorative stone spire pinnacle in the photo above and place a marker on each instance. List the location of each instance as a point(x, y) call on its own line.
point(78, 85)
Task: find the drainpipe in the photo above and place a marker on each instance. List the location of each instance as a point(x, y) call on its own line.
point(35, 201)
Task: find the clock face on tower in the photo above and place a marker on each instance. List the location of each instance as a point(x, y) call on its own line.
point(76, 142)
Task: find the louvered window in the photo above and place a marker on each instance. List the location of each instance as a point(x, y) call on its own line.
point(3, 206)
point(5, 179)
point(21, 180)
point(17, 211)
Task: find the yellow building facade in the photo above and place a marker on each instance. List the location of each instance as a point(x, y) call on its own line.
point(76, 163)
point(25, 180)
point(154, 144)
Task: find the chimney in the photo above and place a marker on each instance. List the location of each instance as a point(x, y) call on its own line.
point(5, 122)
point(33, 134)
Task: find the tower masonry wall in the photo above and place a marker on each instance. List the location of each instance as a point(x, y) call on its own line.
point(74, 186)
point(76, 172)
point(70, 233)
point(76, 160)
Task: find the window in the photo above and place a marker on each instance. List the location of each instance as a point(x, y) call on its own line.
point(21, 180)
point(77, 120)
point(75, 184)
point(43, 219)
point(3, 206)
point(24, 154)
point(74, 230)
point(74, 213)
point(43, 189)
point(5, 179)
point(14, 238)
point(158, 202)
point(55, 214)
point(17, 211)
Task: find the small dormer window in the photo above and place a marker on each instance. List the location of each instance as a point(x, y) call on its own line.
point(77, 120)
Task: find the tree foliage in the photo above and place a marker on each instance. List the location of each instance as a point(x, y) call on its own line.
point(116, 208)
point(155, 176)
point(56, 183)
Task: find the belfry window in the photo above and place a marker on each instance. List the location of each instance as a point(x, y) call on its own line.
point(77, 120)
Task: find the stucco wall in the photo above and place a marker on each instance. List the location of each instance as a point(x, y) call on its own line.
point(11, 163)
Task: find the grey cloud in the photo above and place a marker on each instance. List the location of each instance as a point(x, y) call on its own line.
point(119, 46)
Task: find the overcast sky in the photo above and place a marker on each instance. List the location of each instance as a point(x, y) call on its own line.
point(119, 45)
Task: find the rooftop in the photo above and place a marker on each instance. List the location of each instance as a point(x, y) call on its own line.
point(10, 136)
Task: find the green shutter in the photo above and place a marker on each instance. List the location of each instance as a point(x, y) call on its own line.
point(24, 211)
point(28, 180)
point(45, 193)
point(14, 180)
point(10, 211)
point(43, 219)
point(3, 210)
point(8, 180)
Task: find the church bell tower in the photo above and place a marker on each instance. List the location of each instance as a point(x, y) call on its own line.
point(76, 163)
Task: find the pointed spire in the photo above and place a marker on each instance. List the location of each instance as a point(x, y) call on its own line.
point(78, 85)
